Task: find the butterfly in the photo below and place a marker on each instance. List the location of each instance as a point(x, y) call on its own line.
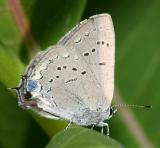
point(74, 79)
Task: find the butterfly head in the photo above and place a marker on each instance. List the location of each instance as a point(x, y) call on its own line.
point(23, 92)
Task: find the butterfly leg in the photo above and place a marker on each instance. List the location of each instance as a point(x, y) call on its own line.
point(69, 124)
point(92, 127)
point(102, 129)
point(107, 126)
point(103, 124)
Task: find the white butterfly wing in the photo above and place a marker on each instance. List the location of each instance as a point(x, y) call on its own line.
point(94, 42)
point(76, 74)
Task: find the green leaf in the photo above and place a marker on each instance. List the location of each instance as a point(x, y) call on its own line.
point(9, 36)
point(13, 124)
point(137, 66)
point(50, 20)
point(17, 129)
point(81, 137)
point(50, 126)
point(10, 66)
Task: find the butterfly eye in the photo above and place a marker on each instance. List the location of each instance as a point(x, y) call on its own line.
point(28, 95)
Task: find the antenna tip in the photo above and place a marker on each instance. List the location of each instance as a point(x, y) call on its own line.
point(148, 106)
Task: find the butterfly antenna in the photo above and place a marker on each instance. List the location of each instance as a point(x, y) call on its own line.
point(131, 105)
point(14, 88)
point(17, 88)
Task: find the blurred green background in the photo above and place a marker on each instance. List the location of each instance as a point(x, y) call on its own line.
point(137, 71)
